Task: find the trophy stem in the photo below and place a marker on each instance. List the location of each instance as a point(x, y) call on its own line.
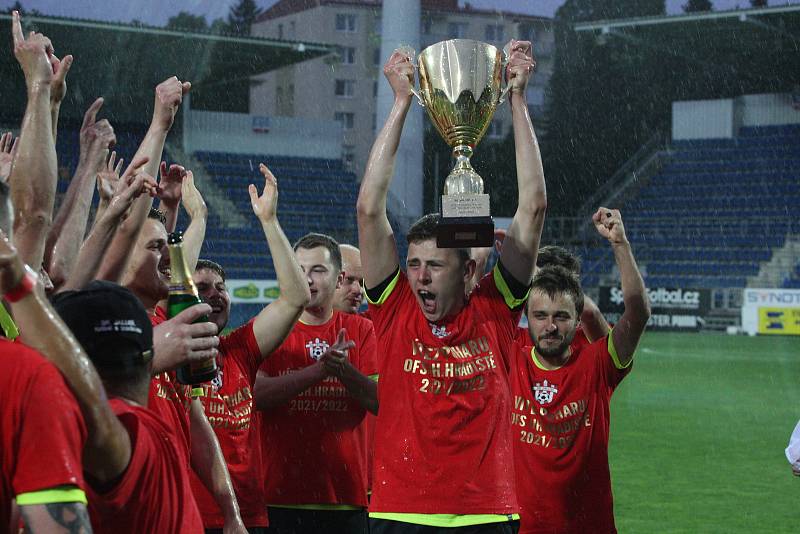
point(463, 179)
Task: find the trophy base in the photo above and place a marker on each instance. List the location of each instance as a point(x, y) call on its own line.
point(465, 232)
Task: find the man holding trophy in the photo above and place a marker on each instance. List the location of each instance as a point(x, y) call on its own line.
point(443, 450)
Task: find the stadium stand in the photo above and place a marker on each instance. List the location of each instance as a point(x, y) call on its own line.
point(715, 213)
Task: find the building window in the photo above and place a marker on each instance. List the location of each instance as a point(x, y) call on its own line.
point(376, 57)
point(345, 88)
point(280, 31)
point(375, 88)
point(495, 129)
point(345, 23)
point(378, 26)
point(347, 55)
point(495, 33)
point(348, 156)
point(457, 30)
point(292, 30)
point(345, 119)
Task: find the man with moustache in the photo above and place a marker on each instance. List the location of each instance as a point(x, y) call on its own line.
point(562, 392)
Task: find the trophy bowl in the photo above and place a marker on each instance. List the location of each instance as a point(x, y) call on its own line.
point(460, 88)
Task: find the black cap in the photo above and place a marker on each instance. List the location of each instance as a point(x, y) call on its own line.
point(109, 322)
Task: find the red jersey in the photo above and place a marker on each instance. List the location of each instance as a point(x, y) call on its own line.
point(153, 494)
point(561, 422)
point(41, 429)
point(443, 435)
point(228, 403)
point(315, 445)
point(170, 399)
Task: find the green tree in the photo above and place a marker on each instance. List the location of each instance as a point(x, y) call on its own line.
point(242, 16)
point(187, 21)
point(692, 6)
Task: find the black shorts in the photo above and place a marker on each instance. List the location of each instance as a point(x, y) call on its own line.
point(294, 521)
point(387, 526)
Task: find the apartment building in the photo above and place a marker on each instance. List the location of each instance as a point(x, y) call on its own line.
point(344, 86)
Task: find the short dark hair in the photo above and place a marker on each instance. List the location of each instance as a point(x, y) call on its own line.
point(157, 215)
point(555, 280)
point(555, 255)
point(425, 229)
point(211, 266)
point(314, 240)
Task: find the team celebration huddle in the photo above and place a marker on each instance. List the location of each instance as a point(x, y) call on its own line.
point(370, 396)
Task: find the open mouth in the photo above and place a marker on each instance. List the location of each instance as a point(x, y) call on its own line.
point(428, 301)
point(165, 271)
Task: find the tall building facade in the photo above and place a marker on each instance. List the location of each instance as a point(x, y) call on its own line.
point(344, 86)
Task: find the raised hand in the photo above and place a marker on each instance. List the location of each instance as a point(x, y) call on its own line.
point(95, 135)
point(169, 95)
point(125, 192)
point(520, 65)
point(8, 149)
point(108, 178)
point(193, 201)
point(58, 85)
point(265, 206)
point(334, 360)
point(33, 55)
point(608, 223)
point(171, 183)
point(399, 70)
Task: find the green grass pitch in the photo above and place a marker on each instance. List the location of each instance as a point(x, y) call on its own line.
point(698, 431)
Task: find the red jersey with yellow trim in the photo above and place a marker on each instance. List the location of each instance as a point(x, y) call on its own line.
point(153, 494)
point(561, 425)
point(443, 435)
point(228, 403)
point(42, 432)
point(170, 399)
point(315, 446)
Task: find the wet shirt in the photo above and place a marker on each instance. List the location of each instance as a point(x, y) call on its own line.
point(315, 445)
point(42, 432)
point(560, 421)
point(443, 435)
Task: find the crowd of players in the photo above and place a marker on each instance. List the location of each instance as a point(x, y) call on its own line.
point(430, 412)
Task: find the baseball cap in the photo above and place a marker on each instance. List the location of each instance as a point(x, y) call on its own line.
point(109, 322)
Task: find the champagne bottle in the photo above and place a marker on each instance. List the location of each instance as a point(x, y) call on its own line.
point(183, 294)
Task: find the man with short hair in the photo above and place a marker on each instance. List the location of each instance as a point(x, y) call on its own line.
point(443, 437)
point(350, 293)
point(228, 400)
point(314, 392)
point(562, 393)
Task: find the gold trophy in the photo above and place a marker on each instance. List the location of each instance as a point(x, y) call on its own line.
point(460, 87)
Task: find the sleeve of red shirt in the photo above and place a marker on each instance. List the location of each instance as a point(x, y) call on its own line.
point(367, 352)
point(52, 438)
point(611, 371)
point(242, 345)
point(494, 307)
point(394, 300)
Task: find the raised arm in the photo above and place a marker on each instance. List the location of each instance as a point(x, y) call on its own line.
point(209, 464)
point(108, 448)
point(91, 252)
point(169, 192)
point(33, 174)
point(107, 182)
point(195, 206)
point(594, 324)
point(169, 95)
point(521, 243)
point(375, 236)
point(631, 325)
point(69, 225)
point(274, 391)
point(276, 320)
point(58, 88)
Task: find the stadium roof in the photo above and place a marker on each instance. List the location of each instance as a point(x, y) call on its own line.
point(762, 44)
point(124, 62)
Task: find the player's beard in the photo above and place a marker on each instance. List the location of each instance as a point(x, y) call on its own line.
point(554, 351)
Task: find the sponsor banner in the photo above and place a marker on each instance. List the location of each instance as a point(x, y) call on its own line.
point(771, 311)
point(784, 321)
point(253, 291)
point(671, 308)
